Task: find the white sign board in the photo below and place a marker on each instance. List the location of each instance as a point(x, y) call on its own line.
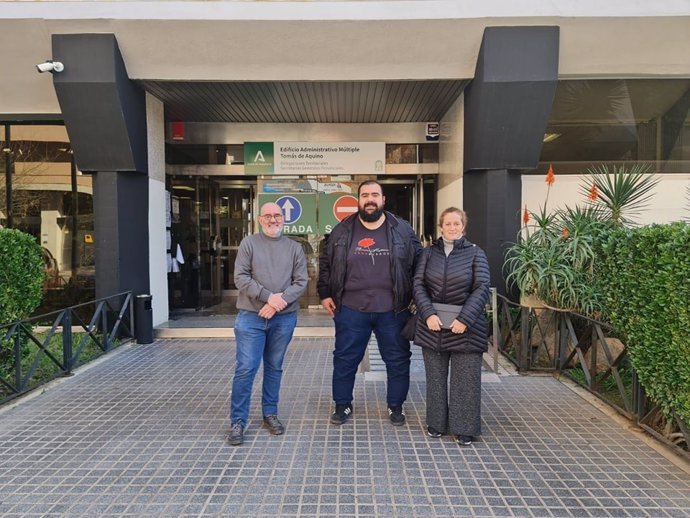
point(331, 158)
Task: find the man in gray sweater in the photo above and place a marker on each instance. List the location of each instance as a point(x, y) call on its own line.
point(271, 275)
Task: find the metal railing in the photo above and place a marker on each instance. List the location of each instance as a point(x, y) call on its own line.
point(33, 352)
point(586, 351)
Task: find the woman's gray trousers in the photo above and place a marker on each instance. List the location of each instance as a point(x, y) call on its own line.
point(453, 407)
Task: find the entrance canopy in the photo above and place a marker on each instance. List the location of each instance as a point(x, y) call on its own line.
point(303, 101)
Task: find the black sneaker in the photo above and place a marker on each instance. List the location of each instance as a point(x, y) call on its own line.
point(396, 415)
point(341, 414)
point(463, 440)
point(274, 426)
point(236, 435)
point(433, 432)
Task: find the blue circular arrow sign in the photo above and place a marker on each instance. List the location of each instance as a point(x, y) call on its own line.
point(291, 207)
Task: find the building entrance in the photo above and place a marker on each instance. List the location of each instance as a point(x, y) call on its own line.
point(211, 216)
point(209, 219)
point(236, 220)
point(413, 199)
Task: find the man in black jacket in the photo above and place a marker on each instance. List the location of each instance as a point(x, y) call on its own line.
point(365, 284)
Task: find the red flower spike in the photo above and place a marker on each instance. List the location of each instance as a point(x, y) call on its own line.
point(550, 177)
point(525, 216)
point(565, 233)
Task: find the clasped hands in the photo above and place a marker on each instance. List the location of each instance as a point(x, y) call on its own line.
point(275, 303)
point(434, 324)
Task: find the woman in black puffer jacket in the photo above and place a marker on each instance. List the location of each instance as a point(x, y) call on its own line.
point(452, 271)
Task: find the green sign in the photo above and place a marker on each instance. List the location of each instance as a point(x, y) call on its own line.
point(258, 158)
point(299, 211)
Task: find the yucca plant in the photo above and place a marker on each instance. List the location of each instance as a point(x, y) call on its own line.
point(621, 192)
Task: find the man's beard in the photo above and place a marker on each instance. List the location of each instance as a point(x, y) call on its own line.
point(273, 233)
point(370, 217)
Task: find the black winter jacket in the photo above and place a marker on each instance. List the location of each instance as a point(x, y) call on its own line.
point(461, 278)
point(405, 249)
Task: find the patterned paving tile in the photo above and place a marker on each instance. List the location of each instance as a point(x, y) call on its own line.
point(142, 434)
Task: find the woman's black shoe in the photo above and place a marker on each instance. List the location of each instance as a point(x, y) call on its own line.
point(464, 440)
point(433, 432)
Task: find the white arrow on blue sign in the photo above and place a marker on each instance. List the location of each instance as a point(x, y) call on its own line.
point(291, 207)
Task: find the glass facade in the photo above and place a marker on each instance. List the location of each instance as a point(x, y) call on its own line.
point(614, 123)
point(211, 215)
point(619, 121)
point(43, 194)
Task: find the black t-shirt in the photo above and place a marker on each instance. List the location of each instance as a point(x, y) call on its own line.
point(368, 282)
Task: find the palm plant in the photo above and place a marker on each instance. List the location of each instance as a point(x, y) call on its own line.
point(622, 193)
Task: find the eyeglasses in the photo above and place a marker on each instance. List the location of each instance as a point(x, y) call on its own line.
point(272, 216)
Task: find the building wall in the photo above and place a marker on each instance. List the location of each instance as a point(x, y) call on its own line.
point(450, 156)
point(374, 40)
point(155, 126)
point(670, 201)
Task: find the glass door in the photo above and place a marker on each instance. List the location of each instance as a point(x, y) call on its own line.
point(183, 280)
point(413, 199)
point(213, 216)
point(236, 216)
point(209, 241)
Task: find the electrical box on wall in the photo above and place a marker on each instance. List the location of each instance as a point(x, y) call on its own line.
point(433, 131)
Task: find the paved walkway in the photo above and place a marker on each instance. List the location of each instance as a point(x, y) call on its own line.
point(142, 434)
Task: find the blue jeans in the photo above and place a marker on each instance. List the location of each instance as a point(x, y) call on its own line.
point(258, 338)
point(352, 332)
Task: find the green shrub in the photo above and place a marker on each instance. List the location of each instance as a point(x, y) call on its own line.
point(21, 275)
point(644, 275)
point(21, 287)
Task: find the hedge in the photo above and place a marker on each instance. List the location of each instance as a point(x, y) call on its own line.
point(21, 275)
point(645, 279)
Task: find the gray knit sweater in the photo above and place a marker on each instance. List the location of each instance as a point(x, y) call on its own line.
point(266, 265)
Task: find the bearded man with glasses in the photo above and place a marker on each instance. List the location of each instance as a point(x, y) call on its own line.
point(271, 275)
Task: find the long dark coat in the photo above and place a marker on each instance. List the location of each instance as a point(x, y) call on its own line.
point(461, 278)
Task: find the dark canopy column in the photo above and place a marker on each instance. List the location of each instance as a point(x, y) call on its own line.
point(507, 108)
point(105, 117)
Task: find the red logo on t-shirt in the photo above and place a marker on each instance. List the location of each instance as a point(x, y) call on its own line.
point(367, 243)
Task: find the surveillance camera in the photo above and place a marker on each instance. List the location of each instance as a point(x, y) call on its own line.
point(45, 67)
point(50, 66)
